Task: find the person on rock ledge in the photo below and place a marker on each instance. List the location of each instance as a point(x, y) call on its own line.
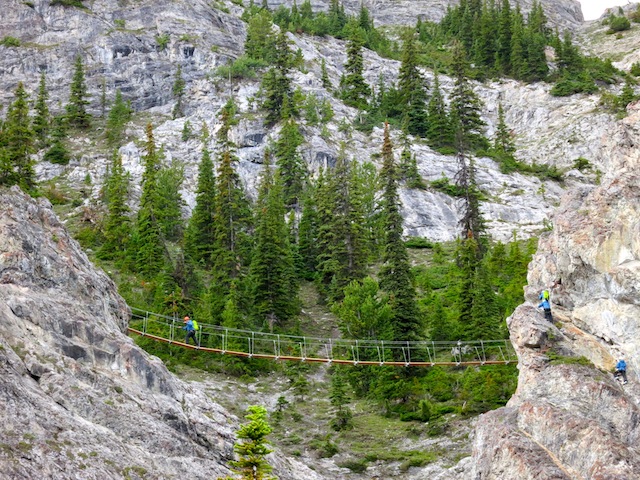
point(621, 371)
point(546, 307)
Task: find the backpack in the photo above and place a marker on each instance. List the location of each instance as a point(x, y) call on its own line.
point(195, 325)
point(545, 295)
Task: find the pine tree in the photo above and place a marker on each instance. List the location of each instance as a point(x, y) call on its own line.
point(119, 116)
point(326, 82)
point(170, 202)
point(42, 120)
point(412, 90)
point(291, 167)
point(343, 256)
point(274, 294)
point(276, 84)
point(339, 399)
point(178, 93)
point(149, 247)
point(465, 106)
point(440, 132)
point(395, 273)
point(409, 169)
point(117, 225)
point(518, 56)
point(232, 219)
point(337, 18)
point(199, 240)
point(503, 143)
point(308, 236)
point(467, 259)
point(471, 222)
point(58, 152)
point(354, 88)
point(260, 43)
point(76, 109)
point(504, 33)
point(17, 144)
point(364, 313)
point(253, 448)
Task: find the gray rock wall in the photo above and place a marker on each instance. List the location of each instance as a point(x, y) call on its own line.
point(79, 398)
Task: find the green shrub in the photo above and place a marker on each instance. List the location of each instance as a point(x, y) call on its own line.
point(582, 164)
point(418, 242)
point(119, 23)
point(445, 186)
point(635, 69)
point(619, 24)
point(162, 41)
point(356, 466)
point(68, 3)
point(569, 85)
point(242, 67)
point(10, 41)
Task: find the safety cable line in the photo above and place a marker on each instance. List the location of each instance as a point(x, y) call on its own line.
point(252, 344)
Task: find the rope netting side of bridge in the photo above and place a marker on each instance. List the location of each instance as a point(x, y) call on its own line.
point(251, 344)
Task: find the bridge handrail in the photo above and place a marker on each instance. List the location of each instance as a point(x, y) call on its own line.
point(336, 342)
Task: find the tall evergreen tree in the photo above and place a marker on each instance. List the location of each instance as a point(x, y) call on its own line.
point(503, 141)
point(254, 447)
point(274, 293)
point(395, 273)
point(326, 82)
point(412, 90)
point(76, 109)
point(232, 219)
point(341, 238)
point(42, 120)
point(291, 167)
point(276, 84)
point(170, 202)
point(308, 235)
point(17, 144)
point(178, 93)
point(440, 131)
point(58, 152)
point(471, 222)
point(119, 116)
point(354, 88)
point(199, 240)
point(260, 43)
point(504, 33)
point(149, 247)
point(465, 106)
point(117, 225)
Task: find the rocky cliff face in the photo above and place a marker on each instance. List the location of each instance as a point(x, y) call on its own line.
point(566, 420)
point(79, 398)
point(566, 13)
point(121, 46)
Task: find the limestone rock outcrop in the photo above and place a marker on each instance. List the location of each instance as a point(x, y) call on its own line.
point(79, 398)
point(138, 47)
point(569, 418)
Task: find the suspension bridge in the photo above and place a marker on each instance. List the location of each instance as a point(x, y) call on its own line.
point(251, 344)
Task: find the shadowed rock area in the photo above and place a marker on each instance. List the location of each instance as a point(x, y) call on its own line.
point(79, 398)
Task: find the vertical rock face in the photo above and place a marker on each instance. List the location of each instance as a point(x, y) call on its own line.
point(571, 420)
point(79, 398)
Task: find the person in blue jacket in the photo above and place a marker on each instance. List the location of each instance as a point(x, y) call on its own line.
point(191, 331)
point(621, 370)
point(547, 309)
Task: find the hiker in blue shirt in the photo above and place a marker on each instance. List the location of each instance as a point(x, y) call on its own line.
point(621, 370)
point(547, 309)
point(191, 331)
